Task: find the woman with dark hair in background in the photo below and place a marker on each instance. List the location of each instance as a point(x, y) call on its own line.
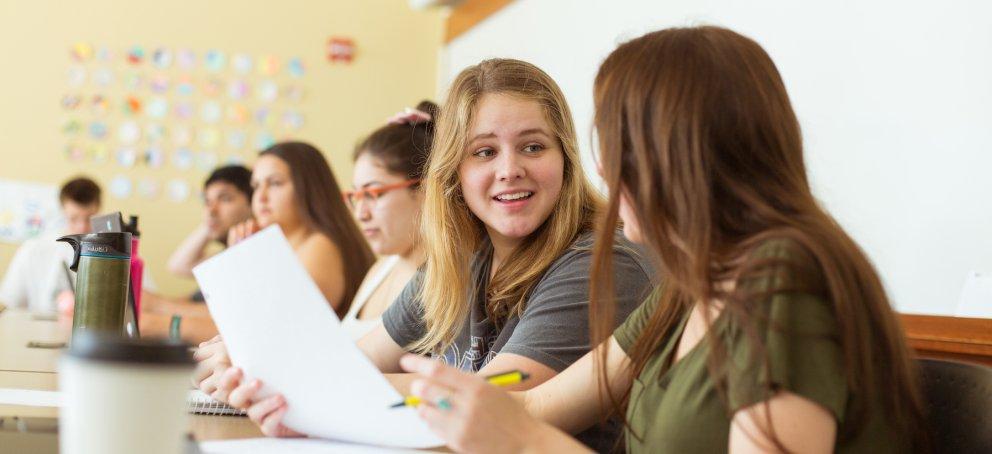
point(294, 188)
point(386, 200)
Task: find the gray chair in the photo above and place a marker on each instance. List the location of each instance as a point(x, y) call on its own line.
point(958, 403)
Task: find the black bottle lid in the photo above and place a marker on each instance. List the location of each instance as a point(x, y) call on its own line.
point(105, 347)
point(132, 226)
point(113, 245)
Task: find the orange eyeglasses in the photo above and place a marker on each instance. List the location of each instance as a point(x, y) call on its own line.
point(370, 195)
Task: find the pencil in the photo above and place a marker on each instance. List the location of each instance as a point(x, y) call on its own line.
point(503, 379)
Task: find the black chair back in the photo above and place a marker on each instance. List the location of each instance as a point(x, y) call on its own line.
point(958, 401)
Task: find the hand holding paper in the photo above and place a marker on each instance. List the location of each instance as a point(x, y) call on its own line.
point(279, 329)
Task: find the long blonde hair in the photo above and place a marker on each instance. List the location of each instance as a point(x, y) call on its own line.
point(453, 234)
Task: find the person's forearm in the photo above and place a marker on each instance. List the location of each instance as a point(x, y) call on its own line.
point(401, 382)
point(571, 416)
point(197, 329)
point(187, 308)
point(191, 329)
point(574, 400)
point(154, 303)
point(190, 252)
point(378, 346)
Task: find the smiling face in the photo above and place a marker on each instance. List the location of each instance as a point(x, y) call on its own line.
point(513, 168)
point(274, 199)
point(390, 222)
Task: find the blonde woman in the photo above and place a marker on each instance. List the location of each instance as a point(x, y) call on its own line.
point(507, 227)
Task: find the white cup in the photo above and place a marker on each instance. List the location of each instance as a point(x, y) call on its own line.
point(123, 396)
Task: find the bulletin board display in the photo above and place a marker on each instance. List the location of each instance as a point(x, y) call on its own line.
point(192, 110)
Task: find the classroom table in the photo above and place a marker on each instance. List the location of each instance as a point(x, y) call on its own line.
point(22, 367)
point(35, 368)
point(17, 328)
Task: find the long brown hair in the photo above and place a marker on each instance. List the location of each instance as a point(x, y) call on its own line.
point(318, 199)
point(452, 233)
point(697, 131)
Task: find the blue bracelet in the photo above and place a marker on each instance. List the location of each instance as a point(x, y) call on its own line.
point(174, 326)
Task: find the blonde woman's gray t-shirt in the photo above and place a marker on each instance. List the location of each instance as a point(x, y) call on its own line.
point(554, 326)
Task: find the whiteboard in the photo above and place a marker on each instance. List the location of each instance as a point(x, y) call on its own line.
point(894, 98)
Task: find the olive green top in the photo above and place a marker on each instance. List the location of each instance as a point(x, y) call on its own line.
point(677, 408)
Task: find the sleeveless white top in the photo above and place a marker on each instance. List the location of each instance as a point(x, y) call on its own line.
point(352, 325)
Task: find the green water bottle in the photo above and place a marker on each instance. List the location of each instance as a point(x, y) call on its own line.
point(102, 262)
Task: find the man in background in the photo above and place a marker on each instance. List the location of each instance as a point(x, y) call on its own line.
point(39, 270)
point(226, 202)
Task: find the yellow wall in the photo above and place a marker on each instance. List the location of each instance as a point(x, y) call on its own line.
point(396, 66)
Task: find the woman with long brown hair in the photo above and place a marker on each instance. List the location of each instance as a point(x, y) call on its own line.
point(771, 330)
point(294, 188)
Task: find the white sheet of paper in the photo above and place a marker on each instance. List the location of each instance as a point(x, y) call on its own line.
point(976, 296)
point(290, 445)
point(279, 329)
point(30, 397)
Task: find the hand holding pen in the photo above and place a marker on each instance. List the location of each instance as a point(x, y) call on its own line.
point(476, 415)
point(503, 379)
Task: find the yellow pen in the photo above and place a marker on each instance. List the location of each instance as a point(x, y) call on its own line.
point(503, 379)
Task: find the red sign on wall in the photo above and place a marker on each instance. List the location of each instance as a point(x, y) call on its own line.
point(340, 50)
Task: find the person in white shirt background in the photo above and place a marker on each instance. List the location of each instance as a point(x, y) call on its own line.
point(39, 272)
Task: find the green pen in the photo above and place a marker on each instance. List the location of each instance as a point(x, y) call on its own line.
point(503, 379)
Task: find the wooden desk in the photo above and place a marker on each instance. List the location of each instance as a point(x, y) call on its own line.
point(17, 328)
point(32, 368)
point(41, 381)
point(954, 338)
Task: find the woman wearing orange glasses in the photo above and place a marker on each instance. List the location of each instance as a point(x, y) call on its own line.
point(386, 202)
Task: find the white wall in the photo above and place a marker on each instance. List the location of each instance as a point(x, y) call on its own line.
point(894, 97)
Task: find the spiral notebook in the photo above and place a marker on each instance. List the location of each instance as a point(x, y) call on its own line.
point(199, 403)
